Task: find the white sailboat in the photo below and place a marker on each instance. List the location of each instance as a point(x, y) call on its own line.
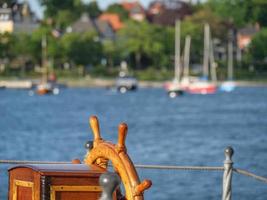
point(45, 87)
point(174, 87)
point(203, 85)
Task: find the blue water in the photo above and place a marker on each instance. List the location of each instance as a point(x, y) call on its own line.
point(191, 130)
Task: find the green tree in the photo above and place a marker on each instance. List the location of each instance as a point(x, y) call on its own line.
point(64, 18)
point(53, 6)
point(82, 49)
point(8, 2)
point(110, 52)
point(240, 12)
point(6, 41)
point(194, 26)
point(61, 13)
point(258, 47)
point(234, 11)
point(260, 12)
point(118, 9)
point(144, 43)
point(21, 46)
point(92, 9)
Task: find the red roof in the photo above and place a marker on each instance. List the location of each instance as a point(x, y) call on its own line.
point(130, 5)
point(113, 19)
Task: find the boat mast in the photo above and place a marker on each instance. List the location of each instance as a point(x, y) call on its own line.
point(187, 55)
point(177, 67)
point(206, 51)
point(44, 58)
point(213, 64)
point(230, 57)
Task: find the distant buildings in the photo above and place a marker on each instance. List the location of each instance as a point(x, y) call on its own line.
point(113, 19)
point(135, 9)
point(86, 24)
point(159, 12)
point(17, 18)
point(166, 12)
point(244, 36)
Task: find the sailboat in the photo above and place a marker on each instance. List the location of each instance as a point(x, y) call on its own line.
point(45, 86)
point(229, 85)
point(203, 85)
point(174, 87)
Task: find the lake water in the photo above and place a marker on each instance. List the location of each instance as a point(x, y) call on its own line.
point(189, 130)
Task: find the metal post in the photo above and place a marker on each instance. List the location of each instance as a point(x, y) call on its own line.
point(227, 175)
point(109, 183)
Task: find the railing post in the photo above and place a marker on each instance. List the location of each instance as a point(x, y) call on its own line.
point(109, 183)
point(227, 175)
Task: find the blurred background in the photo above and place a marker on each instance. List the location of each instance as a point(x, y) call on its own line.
point(188, 77)
point(139, 32)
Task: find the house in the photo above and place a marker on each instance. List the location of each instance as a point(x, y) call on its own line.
point(84, 24)
point(135, 10)
point(17, 18)
point(166, 12)
point(245, 35)
point(113, 19)
point(156, 8)
point(87, 24)
point(6, 22)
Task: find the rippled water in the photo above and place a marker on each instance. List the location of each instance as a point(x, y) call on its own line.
point(191, 130)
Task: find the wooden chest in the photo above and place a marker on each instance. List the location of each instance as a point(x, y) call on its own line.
point(54, 182)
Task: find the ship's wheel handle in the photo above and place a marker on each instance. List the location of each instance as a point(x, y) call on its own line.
point(104, 151)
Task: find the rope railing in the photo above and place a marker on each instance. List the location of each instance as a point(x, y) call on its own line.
point(175, 167)
point(249, 174)
point(227, 169)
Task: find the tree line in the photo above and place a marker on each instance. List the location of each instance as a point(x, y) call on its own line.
point(143, 45)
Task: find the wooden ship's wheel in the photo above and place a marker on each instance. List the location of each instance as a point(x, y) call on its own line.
point(103, 151)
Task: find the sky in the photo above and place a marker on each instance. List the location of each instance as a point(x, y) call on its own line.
point(102, 4)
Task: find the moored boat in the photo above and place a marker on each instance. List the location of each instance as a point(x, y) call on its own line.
point(47, 84)
point(201, 87)
point(46, 88)
point(174, 88)
point(124, 82)
point(204, 85)
point(228, 86)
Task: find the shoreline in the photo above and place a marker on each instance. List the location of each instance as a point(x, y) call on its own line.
point(107, 83)
point(89, 82)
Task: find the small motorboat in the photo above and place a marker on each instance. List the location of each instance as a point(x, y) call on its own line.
point(174, 88)
point(126, 83)
point(46, 88)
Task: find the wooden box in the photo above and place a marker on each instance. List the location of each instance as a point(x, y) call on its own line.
point(54, 182)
